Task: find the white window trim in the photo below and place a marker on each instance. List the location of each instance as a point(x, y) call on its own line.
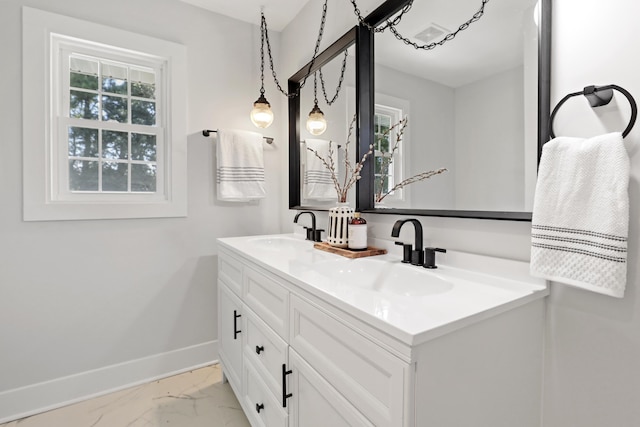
point(398, 163)
point(39, 187)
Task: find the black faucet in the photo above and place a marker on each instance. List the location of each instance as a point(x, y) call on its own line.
point(415, 256)
point(312, 233)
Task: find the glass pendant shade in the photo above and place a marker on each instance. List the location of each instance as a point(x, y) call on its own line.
point(261, 115)
point(316, 123)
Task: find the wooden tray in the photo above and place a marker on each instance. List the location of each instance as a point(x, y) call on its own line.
point(370, 251)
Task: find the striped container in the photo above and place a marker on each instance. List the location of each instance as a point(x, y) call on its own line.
point(339, 216)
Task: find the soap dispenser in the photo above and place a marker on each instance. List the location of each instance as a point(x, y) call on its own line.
point(357, 233)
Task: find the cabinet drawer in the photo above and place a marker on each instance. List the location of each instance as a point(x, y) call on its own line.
point(268, 299)
point(266, 350)
point(371, 378)
point(230, 270)
point(257, 396)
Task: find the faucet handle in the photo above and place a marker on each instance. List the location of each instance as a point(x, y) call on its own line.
point(309, 231)
point(430, 257)
point(317, 235)
point(406, 251)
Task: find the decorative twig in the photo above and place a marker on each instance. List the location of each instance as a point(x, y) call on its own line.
point(419, 177)
point(351, 172)
point(387, 160)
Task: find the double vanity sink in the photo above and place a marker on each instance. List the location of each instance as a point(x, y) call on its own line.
point(374, 341)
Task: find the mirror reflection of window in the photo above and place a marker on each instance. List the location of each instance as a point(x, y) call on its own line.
point(388, 161)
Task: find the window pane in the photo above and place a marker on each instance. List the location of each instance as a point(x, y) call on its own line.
point(84, 73)
point(143, 112)
point(83, 105)
point(384, 145)
point(377, 169)
point(143, 84)
point(83, 81)
point(114, 79)
point(114, 108)
point(115, 145)
point(115, 176)
point(143, 147)
point(143, 178)
point(83, 142)
point(83, 175)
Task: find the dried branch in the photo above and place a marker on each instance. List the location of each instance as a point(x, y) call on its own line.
point(419, 177)
point(351, 172)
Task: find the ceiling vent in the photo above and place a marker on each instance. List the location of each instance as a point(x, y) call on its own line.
point(432, 33)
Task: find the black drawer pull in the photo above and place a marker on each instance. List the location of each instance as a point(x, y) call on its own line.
point(236, 331)
point(259, 349)
point(285, 395)
point(259, 407)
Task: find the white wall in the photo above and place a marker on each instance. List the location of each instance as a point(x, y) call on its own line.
point(430, 135)
point(593, 342)
point(81, 302)
point(593, 355)
point(489, 128)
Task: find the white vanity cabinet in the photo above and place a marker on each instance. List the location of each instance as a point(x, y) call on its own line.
point(286, 356)
point(296, 355)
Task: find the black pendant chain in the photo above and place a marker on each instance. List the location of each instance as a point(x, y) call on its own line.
point(265, 37)
point(391, 25)
point(324, 90)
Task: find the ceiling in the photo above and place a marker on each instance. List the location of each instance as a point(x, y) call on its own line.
point(278, 12)
point(493, 44)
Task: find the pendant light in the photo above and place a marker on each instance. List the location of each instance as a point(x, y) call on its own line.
point(261, 115)
point(316, 123)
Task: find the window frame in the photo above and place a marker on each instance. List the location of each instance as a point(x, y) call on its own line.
point(47, 36)
point(397, 164)
point(64, 48)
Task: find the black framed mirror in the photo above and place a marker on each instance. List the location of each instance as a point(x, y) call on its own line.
point(488, 177)
point(337, 59)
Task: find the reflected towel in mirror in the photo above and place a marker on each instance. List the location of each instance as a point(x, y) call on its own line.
point(318, 184)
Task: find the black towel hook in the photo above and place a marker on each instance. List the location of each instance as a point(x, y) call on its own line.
point(599, 96)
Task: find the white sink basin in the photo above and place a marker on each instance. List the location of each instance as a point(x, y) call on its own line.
point(385, 276)
point(281, 243)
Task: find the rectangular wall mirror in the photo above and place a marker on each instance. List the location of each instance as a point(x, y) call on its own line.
point(333, 71)
point(476, 105)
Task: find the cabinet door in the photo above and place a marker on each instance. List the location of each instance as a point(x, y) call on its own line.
point(230, 334)
point(314, 402)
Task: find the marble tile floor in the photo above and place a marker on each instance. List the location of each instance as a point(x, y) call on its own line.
point(192, 399)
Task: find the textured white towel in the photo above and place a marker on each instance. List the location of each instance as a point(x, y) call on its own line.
point(581, 214)
point(240, 165)
point(318, 184)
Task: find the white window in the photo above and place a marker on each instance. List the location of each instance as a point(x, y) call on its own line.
point(112, 139)
point(388, 154)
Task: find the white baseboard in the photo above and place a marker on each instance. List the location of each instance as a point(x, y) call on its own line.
point(36, 398)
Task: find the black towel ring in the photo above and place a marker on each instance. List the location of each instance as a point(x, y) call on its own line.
point(598, 96)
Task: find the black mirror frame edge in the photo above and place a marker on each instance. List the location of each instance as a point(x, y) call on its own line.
point(365, 104)
point(295, 184)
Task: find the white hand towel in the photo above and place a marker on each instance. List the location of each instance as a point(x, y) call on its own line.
point(240, 165)
point(581, 214)
point(318, 184)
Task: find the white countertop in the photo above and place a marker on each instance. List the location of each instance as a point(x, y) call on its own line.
point(464, 289)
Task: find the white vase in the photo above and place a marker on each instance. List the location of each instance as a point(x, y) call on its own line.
point(338, 232)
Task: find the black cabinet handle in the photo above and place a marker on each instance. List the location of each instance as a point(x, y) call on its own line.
point(235, 324)
point(285, 395)
point(259, 407)
point(259, 349)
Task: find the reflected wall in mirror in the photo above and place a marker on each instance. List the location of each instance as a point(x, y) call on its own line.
point(473, 106)
point(311, 186)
